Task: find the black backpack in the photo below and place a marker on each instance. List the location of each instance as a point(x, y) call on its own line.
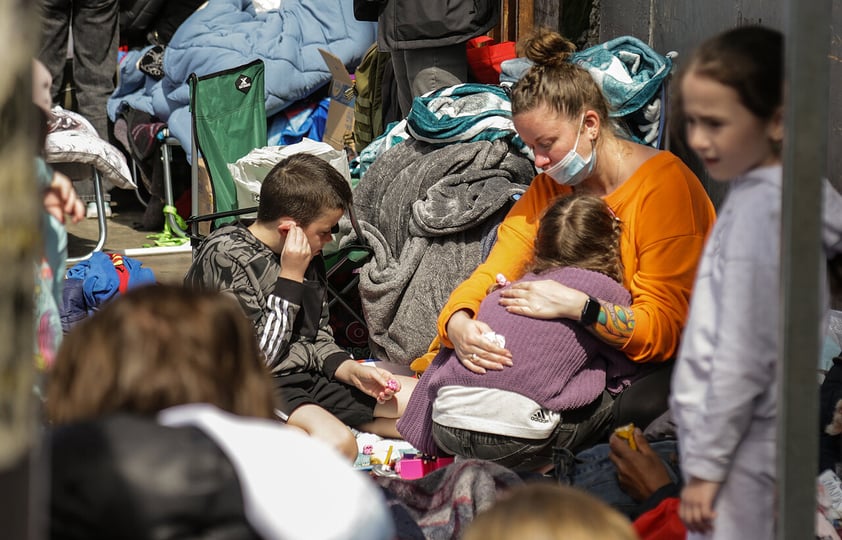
point(368, 10)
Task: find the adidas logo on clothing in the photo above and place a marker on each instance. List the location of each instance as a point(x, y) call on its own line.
point(540, 417)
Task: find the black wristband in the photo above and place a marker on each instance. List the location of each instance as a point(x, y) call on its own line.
point(590, 313)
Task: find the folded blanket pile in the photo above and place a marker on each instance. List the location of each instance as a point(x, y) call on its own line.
point(462, 113)
point(426, 210)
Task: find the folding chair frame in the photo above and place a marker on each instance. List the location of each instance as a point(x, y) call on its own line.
point(335, 296)
point(99, 200)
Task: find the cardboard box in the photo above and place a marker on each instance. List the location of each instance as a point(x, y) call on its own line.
point(340, 113)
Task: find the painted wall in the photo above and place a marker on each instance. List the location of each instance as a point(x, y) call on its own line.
point(679, 25)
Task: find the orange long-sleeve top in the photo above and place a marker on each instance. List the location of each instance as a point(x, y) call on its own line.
point(666, 217)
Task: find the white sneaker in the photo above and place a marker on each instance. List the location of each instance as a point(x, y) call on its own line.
point(91, 211)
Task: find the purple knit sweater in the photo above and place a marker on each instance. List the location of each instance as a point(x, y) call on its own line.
point(557, 363)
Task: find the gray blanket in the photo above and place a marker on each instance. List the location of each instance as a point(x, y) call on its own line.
point(426, 210)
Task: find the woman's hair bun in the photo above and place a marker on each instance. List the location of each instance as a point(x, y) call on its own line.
point(546, 47)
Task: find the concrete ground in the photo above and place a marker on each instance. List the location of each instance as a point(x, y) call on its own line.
point(127, 212)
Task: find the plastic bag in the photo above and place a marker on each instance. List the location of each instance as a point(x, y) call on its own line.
point(250, 170)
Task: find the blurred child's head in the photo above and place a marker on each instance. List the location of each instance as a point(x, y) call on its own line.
point(545, 511)
point(42, 83)
point(731, 101)
point(579, 231)
point(156, 347)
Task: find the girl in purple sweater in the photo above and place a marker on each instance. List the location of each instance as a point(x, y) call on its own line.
point(559, 389)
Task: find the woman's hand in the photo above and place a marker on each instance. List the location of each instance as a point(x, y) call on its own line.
point(476, 352)
point(696, 508)
point(374, 381)
point(296, 254)
point(545, 299)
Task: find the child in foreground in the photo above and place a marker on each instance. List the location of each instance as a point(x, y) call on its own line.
point(550, 511)
point(724, 390)
point(162, 425)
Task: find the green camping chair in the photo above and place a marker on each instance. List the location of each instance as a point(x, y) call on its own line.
point(228, 112)
point(228, 109)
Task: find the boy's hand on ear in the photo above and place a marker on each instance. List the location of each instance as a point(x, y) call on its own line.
point(296, 254)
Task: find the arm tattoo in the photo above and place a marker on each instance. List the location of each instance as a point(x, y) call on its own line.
point(615, 324)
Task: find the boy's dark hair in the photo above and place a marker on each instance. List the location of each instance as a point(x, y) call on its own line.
point(302, 187)
point(582, 232)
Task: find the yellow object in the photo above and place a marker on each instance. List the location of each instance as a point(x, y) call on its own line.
point(627, 432)
point(388, 456)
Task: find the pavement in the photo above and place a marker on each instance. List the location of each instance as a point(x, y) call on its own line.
point(122, 235)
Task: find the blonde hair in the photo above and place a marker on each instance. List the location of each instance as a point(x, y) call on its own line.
point(579, 231)
point(550, 512)
point(156, 347)
point(553, 81)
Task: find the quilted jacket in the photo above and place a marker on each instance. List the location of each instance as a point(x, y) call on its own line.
point(413, 24)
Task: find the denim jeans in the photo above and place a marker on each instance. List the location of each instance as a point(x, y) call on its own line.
point(418, 71)
point(592, 471)
point(577, 429)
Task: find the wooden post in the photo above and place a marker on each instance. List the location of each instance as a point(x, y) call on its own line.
point(19, 217)
point(517, 18)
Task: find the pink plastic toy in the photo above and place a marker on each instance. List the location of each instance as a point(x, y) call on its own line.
point(392, 385)
point(409, 469)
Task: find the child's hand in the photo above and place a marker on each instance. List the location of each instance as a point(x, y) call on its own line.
point(696, 509)
point(640, 472)
point(296, 254)
point(60, 200)
point(374, 381)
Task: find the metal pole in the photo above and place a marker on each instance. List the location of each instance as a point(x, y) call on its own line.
point(807, 29)
point(20, 211)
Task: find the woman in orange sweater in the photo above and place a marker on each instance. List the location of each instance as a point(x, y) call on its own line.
point(560, 112)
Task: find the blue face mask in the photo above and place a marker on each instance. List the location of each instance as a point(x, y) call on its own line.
point(572, 169)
